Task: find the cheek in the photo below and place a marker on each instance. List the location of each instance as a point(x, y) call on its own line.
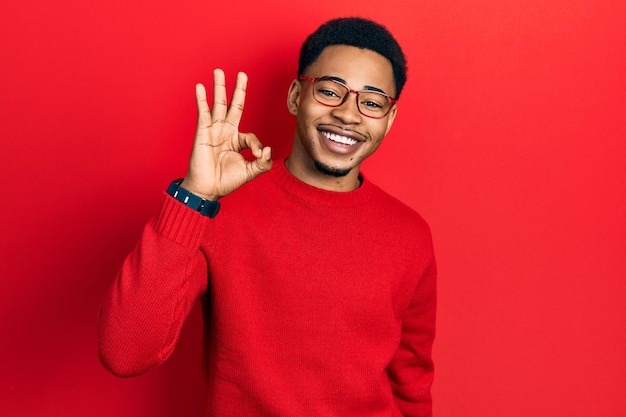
point(378, 131)
point(309, 116)
point(306, 126)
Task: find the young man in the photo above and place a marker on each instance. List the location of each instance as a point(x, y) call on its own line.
point(318, 287)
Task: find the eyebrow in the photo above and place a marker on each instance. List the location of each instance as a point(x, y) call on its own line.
point(342, 81)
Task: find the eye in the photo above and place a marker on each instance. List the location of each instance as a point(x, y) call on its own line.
point(371, 104)
point(328, 93)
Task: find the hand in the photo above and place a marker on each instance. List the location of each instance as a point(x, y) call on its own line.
point(216, 166)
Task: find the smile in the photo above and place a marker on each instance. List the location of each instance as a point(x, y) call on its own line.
point(339, 139)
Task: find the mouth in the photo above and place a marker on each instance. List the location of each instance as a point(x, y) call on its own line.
point(339, 138)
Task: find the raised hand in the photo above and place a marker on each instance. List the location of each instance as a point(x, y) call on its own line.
point(216, 166)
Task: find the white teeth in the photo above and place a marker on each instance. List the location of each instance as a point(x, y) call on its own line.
point(338, 138)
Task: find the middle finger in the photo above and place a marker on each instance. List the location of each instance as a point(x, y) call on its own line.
point(219, 96)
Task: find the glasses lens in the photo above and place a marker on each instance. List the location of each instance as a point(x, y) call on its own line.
point(330, 92)
point(373, 104)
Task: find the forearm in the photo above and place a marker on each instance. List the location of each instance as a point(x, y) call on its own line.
point(411, 371)
point(152, 295)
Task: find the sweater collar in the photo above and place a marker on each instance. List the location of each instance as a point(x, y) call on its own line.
point(303, 191)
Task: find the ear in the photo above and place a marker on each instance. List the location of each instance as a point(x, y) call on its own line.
point(391, 117)
point(293, 97)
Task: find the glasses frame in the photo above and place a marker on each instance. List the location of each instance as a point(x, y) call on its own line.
point(313, 80)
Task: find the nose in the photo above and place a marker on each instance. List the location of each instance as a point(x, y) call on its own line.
point(348, 112)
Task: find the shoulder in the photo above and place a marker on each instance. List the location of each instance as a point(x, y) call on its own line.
point(395, 209)
point(400, 220)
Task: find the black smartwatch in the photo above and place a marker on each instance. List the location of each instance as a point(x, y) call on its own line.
point(202, 205)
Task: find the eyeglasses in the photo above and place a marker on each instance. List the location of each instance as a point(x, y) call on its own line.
point(332, 93)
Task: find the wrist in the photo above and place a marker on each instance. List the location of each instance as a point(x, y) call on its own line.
point(200, 204)
point(187, 185)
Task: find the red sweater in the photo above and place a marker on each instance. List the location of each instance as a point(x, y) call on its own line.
point(321, 303)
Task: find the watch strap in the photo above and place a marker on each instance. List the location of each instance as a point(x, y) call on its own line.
point(202, 205)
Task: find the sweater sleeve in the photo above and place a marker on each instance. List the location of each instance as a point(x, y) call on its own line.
point(411, 370)
point(144, 310)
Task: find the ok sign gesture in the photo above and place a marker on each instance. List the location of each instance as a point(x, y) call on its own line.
point(216, 166)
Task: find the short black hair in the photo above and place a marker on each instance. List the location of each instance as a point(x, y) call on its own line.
point(358, 32)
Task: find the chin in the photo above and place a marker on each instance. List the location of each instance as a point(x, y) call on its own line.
point(332, 171)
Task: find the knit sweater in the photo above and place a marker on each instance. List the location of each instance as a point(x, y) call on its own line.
point(317, 303)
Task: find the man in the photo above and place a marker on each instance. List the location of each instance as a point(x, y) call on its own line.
point(320, 296)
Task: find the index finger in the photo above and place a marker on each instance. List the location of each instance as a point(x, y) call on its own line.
point(235, 110)
point(204, 117)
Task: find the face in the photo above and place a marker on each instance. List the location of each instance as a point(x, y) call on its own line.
point(331, 142)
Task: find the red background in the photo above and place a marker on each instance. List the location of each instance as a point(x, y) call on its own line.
point(510, 140)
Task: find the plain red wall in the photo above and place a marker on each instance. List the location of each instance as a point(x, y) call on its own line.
point(510, 140)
